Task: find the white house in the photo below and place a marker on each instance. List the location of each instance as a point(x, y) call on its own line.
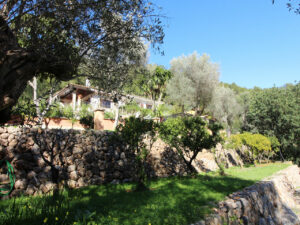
point(76, 95)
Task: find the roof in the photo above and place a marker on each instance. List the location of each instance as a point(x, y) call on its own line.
point(71, 87)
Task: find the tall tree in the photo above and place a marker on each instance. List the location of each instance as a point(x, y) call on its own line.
point(276, 112)
point(55, 37)
point(155, 85)
point(179, 91)
point(225, 107)
point(201, 74)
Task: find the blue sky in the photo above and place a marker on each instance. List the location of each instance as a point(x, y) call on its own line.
point(254, 42)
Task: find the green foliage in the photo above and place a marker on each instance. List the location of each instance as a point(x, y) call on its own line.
point(131, 107)
point(259, 145)
point(56, 111)
point(164, 110)
point(276, 112)
point(133, 133)
point(86, 116)
point(109, 115)
point(275, 145)
point(225, 107)
point(155, 85)
point(233, 86)
point(194, 81)
point(189, 135)
point(68, 112)
point(25, 108)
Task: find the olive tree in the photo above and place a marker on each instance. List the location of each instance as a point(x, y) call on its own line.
point(197, 75)
point(225, 107)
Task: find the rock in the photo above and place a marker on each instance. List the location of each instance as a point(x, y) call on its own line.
point(115, 181)
point(72, 184)
point(103, 174)
point(31, 175)
point(122, 155)
point(73, 175)
point(11, 137)
point(40, 162)
point(71, 168)
point(13, 143)
point(77, 150)
point(21, 184)
point(4, 136)
point(4, 178)
point(30, 142)
point(120, 163)
point(81, 182)
point(4, 142)
point(2, 130)
point(49, 186)
point(117, 175)
point(30, 190)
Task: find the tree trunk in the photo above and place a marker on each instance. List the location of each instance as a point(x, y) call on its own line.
point(117, 115)
point(18, 66)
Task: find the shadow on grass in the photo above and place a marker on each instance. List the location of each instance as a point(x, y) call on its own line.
point(177, 200)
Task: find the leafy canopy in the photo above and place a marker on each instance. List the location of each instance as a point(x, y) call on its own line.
point(189, 135)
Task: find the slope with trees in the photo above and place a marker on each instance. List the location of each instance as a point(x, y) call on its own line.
point(54, 38)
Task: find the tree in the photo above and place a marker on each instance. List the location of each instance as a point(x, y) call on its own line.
point(179, 91)
point(276, 112)
point(155, 85)
point(291, 6)
point(56, 37)
point(200, 76)
point(189, 136)
point(225, 107)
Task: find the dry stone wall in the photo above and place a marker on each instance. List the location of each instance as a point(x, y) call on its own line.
point(269, 202)
point(87, 157)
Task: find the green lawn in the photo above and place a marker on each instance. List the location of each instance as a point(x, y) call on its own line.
point(177, 200)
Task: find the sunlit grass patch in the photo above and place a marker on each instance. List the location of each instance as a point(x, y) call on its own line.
point(175, 200)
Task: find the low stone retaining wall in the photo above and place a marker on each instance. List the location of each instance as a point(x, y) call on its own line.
point(87, 157)
point(268, 202)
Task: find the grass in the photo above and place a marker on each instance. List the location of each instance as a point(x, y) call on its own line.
point(176, 200)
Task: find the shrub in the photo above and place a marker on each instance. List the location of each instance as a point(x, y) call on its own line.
point(86, 116)
point(259, 145)
point(189, 135)
point(109, 115)
point(133, 133)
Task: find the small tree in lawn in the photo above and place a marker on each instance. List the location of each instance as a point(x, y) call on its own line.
point(189, 135)
point(133, 133)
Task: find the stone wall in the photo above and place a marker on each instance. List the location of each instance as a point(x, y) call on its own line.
point(87, 157)
point(269, 202)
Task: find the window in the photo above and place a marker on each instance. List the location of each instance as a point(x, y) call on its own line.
point(106, 104)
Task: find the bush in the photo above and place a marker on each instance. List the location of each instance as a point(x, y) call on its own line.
point(189, 135)
point(55, 111)
point(259, 145)
point(86, 116)
point(133, 133)
point(109, 115)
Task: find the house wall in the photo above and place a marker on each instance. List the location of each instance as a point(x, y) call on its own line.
point(64, 123)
